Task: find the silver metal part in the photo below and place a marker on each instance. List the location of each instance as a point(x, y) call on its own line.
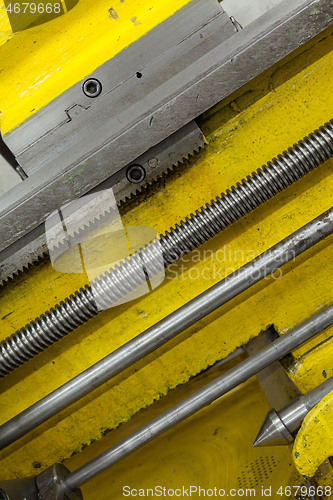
point(170, 327)
point(205, 396)
point(92, 88)
point(180, 82)
point(100, 136)
point(278, 388)
point(280, 427)
point(57, 483)
point(158, 57)
point(50, 484)
point(156, 161)
point(19, 489)
point(273, 431)
point(311, 486)
point(125, 277)
point(46, 486)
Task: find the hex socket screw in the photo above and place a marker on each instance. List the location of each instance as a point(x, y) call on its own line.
point(92, 87)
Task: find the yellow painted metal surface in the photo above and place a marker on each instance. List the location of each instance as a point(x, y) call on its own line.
point(314, 364)
point(314, 441)
point(40, 63)
point(5, 28)
point(272, 113)
point(212, 449)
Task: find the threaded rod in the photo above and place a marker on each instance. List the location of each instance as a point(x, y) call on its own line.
point(196, 229)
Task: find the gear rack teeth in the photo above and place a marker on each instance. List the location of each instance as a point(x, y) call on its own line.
point(162, 175)
point(23, 269)
point(77, 234)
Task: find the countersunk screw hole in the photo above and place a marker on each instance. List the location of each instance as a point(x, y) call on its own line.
point(92, 87)
point(136, 174)
point(138, 74)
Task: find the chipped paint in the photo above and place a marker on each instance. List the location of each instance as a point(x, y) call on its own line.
point(316, 428)
point(113, 13)
point(40, 63)
point(272, 113)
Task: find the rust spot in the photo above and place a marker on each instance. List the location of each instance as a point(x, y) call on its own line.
point(135, 21)
point(113, 13)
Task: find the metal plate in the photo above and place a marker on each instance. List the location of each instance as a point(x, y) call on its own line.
point(166, 98)
point(155, 162)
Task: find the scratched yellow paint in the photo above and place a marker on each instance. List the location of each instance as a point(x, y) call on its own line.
point(5, 28)
point(314, 442)
point(270, 115)
point(213, 448)
point(38, 64)
point(314, 363)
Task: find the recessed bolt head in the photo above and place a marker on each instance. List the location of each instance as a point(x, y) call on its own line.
point(92, 87)
point(136, 174)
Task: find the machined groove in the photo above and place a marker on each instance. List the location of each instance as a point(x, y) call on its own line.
point(191, 232)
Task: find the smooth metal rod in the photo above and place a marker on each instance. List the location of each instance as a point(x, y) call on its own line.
point(168, 328)
point(280, 427)
point(205, 396)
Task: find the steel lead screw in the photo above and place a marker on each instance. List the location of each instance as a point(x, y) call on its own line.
point(191, 232)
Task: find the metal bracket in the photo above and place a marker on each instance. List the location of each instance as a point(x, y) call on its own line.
point(48, 485)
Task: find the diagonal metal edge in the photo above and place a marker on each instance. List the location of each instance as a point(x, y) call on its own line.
point(140, 190)
point(221, 69)
point(37, 250)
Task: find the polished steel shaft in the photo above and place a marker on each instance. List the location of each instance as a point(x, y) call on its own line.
point(241, 199)
point(168, 328)
point(205, 396)
point(280, 427)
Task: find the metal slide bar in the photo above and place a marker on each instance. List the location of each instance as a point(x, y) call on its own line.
point(167, 98)
point(168, 328)
point(205, 396)
point(117, 282)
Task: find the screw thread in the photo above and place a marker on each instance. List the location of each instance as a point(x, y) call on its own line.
point(191, 232)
